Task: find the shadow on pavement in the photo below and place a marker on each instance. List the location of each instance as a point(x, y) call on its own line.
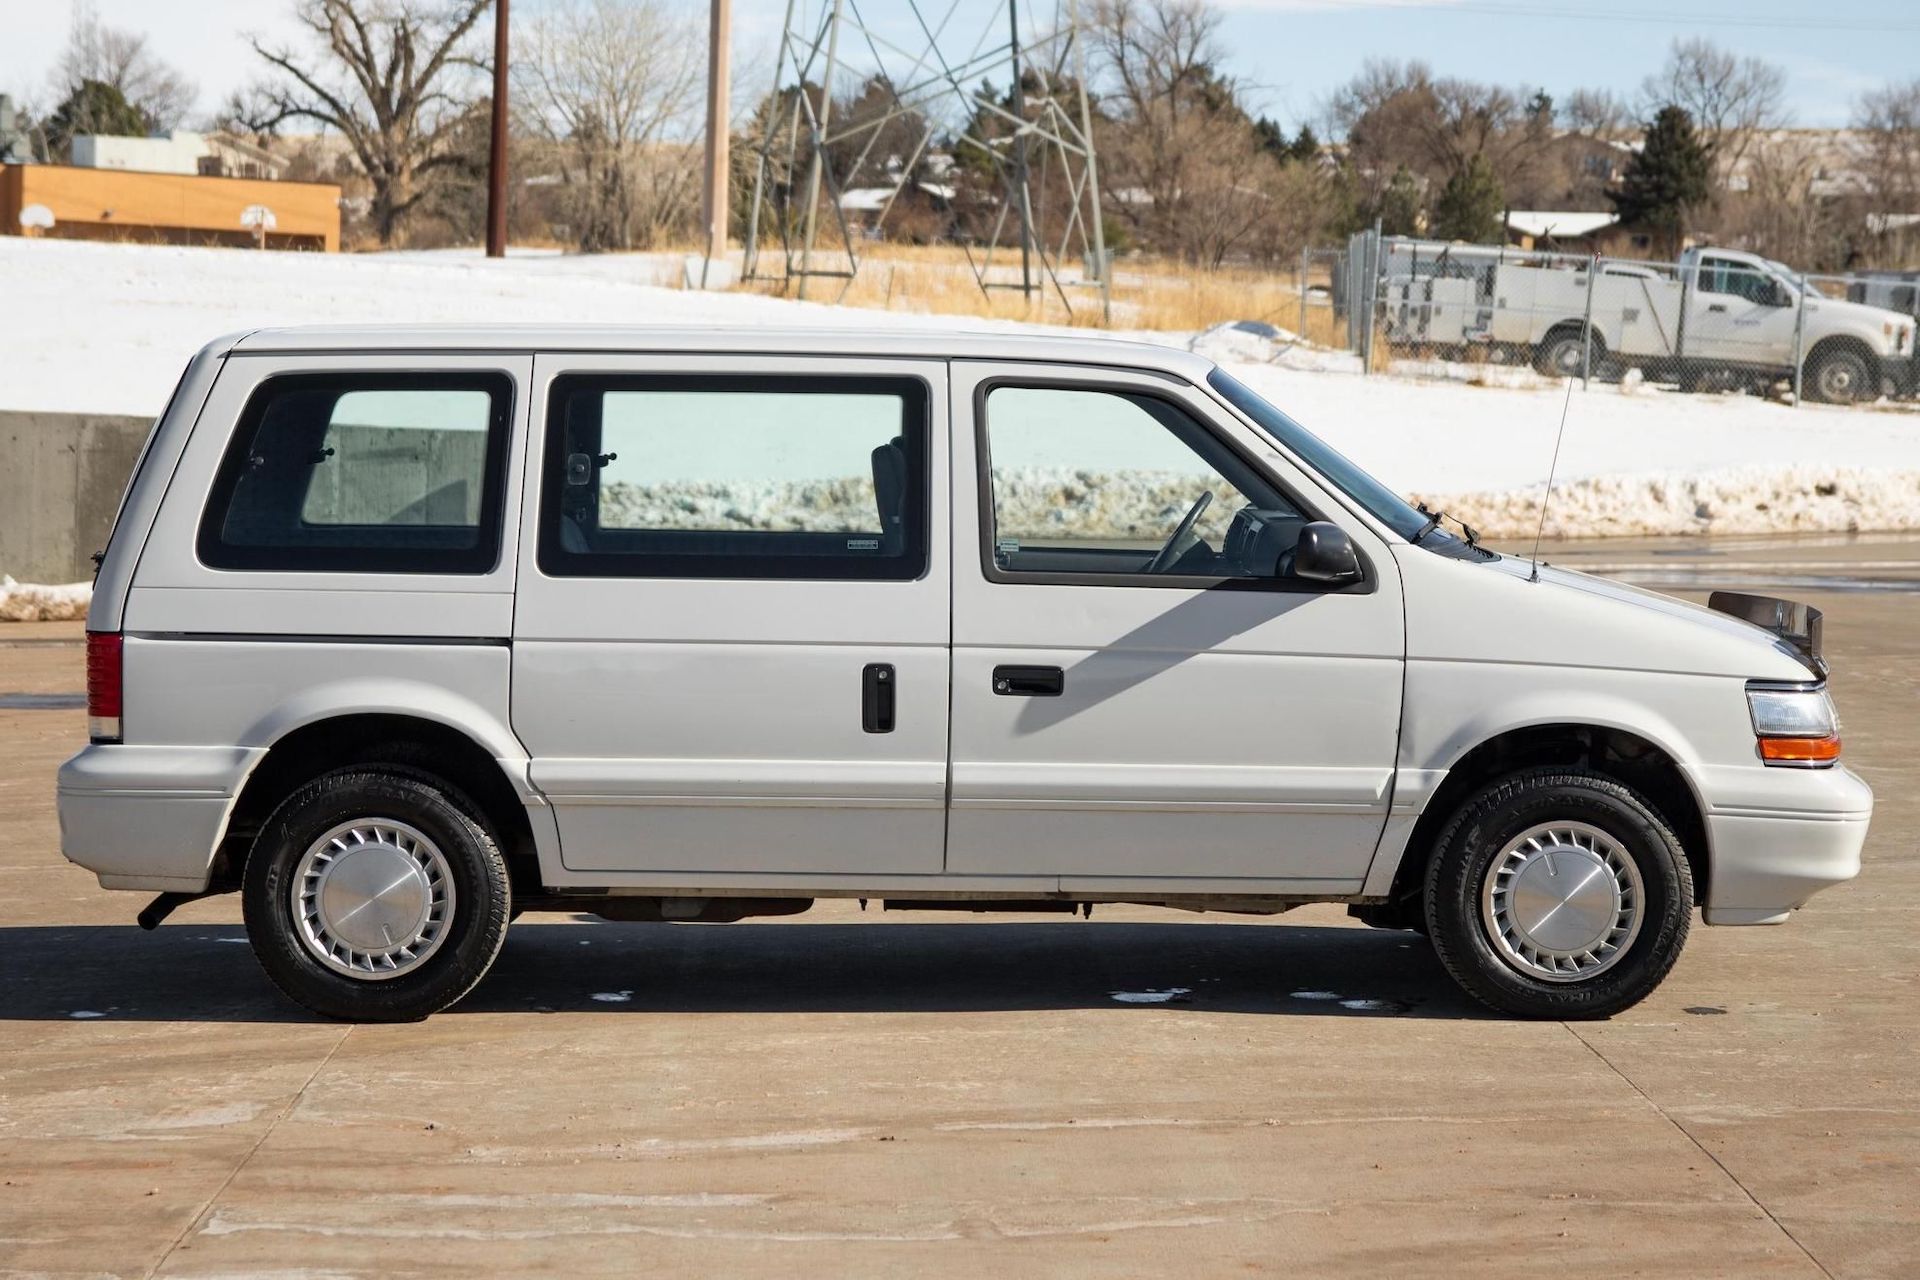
point(207, 973)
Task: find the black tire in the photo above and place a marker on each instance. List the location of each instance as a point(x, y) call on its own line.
point(1841, 377)
point(472, 936)
point(1475, 836)
point(1565, 353)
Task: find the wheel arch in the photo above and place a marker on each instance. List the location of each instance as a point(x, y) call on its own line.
point(305, 742)
point(1627, 754)
point(1835, 343)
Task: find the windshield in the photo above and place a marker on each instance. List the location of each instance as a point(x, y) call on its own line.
point(1786, 275)
point(1382, 503)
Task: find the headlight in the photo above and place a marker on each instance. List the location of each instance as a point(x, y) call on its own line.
point(1794, 726)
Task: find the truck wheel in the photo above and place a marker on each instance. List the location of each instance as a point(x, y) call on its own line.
point(1842, 377)
point(1558, 893)
point(371, 895)
point(1564, 353)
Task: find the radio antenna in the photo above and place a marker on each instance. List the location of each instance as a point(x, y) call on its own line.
point(1548, 495)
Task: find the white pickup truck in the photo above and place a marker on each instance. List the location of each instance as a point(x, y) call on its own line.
point(1716, 319)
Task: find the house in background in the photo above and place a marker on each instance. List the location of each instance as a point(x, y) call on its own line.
point(1576, 231)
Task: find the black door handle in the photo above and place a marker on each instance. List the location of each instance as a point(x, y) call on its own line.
point(1715, 306)
point(876, 697)
point(1029, 682)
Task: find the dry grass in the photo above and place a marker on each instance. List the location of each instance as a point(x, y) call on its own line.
point(1147, 293)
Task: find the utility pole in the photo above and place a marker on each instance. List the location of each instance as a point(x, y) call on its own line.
point(497, 153)
point(719, 34)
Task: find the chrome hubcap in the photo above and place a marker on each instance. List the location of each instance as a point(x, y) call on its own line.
point(1837, 382)
point(1562, 901)
point(372, 898)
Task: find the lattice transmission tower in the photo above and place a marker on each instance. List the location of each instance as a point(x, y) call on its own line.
point(1022, 177)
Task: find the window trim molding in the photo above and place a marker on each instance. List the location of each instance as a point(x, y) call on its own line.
point(916, 427)
point(983, 484)
point(480, 560)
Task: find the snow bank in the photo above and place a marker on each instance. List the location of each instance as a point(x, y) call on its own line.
point(107, 328)
point(31, 602)
point(1741, 500)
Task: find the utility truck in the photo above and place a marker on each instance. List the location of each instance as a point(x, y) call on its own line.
point(1717, 319)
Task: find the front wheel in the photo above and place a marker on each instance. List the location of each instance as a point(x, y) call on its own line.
point(1558, 893)
point(1842, 377)
point(372, 895)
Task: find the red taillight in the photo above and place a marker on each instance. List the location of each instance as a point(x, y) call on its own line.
point(103, 686)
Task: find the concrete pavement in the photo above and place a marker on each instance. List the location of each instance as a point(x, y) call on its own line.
point(954, 1095)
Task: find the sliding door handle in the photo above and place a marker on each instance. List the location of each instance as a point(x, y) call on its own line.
point(876, 697)
point(1029, 682)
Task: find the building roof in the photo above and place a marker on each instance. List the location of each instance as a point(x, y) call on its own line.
point(1561, 224)
point(904, 342)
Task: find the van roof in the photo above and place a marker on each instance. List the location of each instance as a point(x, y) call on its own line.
point(905, 342)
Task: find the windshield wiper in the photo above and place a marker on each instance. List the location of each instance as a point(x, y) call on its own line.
point(1433, 522)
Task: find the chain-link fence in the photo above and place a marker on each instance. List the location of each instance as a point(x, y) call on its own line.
point(1716, 320)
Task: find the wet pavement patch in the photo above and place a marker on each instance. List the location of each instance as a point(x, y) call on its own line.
point(43, 701)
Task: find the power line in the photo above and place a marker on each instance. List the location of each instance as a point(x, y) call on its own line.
point(1492, 8)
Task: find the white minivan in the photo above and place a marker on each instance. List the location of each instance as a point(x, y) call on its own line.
point(404, 631)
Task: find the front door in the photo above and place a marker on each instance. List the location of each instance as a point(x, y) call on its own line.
point(1740, 314)
point(1141, 699)
point(730, 637)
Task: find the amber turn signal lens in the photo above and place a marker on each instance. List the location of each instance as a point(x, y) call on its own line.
point(1799, 750)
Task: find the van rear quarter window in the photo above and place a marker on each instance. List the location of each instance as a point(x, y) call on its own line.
point(735, 476)
point(364, 472)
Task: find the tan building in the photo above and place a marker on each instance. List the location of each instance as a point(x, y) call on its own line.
point(166, 208)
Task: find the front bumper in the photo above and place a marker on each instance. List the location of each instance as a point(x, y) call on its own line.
point(1901, 373)
point(1766, 861)
point(150, 817)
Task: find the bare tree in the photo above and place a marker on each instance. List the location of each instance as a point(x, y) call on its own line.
point(1778, 212)
point(1596, 113)
point(1177, 149)
point(1888, 119)
point(109, 55)
point(1730, 98)
point(615, 84)
point(382, 78)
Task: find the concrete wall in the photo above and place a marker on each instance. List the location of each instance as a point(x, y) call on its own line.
point(61, 475)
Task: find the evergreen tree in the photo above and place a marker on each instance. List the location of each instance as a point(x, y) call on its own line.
point(94, 107)
point(1470, 205)
point(1273, 140)
point(1399, 207)
point(1667, 179)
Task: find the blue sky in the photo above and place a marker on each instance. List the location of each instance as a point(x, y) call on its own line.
point(1292, 53)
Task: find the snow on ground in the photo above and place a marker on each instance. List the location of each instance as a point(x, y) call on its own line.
point(31, 602)
point(107, 328)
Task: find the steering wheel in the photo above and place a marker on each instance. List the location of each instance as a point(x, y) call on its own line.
point(1182, 539)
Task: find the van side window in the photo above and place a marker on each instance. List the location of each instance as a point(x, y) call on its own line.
point(1087, 481)
point(735, 476)
point(363, 472)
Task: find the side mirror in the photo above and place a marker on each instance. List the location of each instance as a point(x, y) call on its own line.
point(1325, 554)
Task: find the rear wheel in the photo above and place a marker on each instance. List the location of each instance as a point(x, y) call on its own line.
point(373, 895)
point(1565, 354)
point(1558, 893)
